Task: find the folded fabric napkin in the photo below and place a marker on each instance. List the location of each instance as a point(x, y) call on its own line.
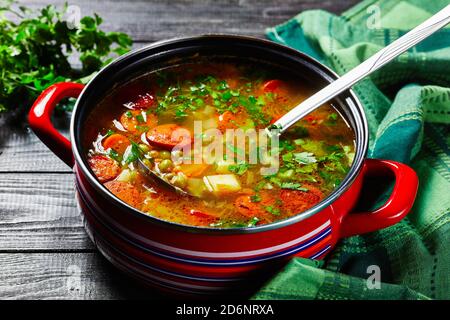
point(407, 104)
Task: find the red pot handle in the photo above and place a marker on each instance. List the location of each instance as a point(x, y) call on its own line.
point(396, 207)
point(41, 111)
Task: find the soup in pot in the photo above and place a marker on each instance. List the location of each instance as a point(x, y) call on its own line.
point(199, 126)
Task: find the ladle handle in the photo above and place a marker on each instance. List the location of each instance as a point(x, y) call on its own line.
point(385, 55)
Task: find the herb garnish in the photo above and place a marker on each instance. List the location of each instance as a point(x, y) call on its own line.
point(128, 114)
point(140, 118)
point(132, 153)
point(252, 222)
point(255, 198)
point(239, 168)
point(292, 186)
point(34, 53)
point(304, 157)
point(273, 210)
point(114, 155)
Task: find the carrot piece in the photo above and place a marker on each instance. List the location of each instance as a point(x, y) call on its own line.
point(152, 120)
point(200, 218)
point(247, 191)
point(225, 120)
point(245, 206)
point(275, 119)
point(193, 170)
point(169, 135)
point(117, 142)
point(296, 201)
point(129, 120)
point(272, 85)
point(230, 120)
point(125, 191)
point(104, 168)
point(232, 83)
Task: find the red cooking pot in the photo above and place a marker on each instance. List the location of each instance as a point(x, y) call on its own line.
point(186, 259)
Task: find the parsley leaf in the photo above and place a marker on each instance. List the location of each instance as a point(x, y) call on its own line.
point(239, 168)
point(132, 153)
point(114, 155)
point(292, 186)
point(272, 210)
point(140, 118)
point(253, 107)
point(35, 51)
point(304, 157)
point(255, 198)
point(333, 116)
point(287, 157)
point(286, 145)
point(252, 222)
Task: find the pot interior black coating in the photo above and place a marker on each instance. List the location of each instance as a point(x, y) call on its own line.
point(167, 53)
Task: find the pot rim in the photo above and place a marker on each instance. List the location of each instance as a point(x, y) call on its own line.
point(351, 100)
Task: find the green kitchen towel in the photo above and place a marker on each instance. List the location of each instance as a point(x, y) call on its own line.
point(407, 104)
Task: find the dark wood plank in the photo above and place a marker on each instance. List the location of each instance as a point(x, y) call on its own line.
point(65, 276)
point(155, 20)
point(22, 151)
point(38, 212)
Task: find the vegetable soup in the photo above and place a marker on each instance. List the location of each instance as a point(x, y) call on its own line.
point(137, 122)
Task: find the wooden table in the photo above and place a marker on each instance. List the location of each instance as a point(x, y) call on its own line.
point(44, 250)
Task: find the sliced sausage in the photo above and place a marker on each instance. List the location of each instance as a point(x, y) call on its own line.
point(104, 168)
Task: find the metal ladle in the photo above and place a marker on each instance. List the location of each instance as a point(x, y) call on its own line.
point(158, 178)
point(378, 60)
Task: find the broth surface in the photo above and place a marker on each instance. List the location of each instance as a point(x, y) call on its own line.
point(138, 121)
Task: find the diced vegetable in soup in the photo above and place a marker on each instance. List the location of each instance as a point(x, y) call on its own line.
point(177, 123)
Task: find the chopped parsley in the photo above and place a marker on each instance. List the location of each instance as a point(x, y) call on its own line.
point(255, 198)
point(252, 222)
point(239, 168)
point(253, 107)
point(141, 128)
point(333, 116)
point(287, 157)
point(140, 118)
point(114, 155)
point(226, 96)
point(304, 157)
point(286, 145)
point(290, 158)
point(235, 149)
point(132, 153)
point(300, 131)
point(331, 119)
point(223, 85)
point(272, 210)
point(292, 186)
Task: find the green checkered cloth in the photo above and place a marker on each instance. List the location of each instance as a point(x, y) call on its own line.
point(407, 104)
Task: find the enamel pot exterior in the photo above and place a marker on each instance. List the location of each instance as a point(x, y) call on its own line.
point(202, 261)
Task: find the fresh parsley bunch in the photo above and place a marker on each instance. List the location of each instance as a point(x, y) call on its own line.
point(34, 52)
